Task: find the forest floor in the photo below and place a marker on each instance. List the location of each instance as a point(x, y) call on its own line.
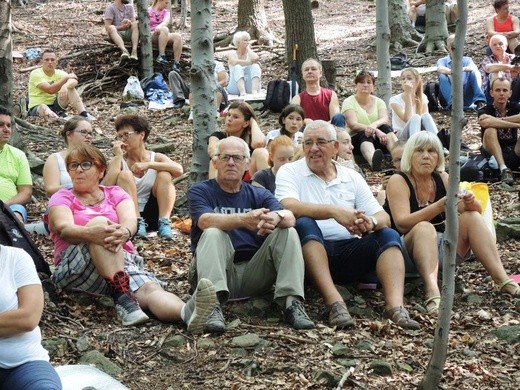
point(285, 359)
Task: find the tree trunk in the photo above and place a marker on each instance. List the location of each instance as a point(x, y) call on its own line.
point(384, 79)
point(299, 30)
point(252, 18)
point(202, 86)
point(402, 33)
point(6, 56)
point(145, 39)
point(433, 374)
point(436, 28)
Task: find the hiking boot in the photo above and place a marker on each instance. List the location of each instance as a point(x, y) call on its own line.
point(176, 67)
point(128, 310)
point(507, 176)
point(400, 316)
point(339, 316)
point(162, 60)
point(215, 322)
point(124, 56)
point(199, 306)
point(377, 160)
point(141, 227)
point(88, 116)
point(295, 316)
point(480, 104)
point(133, 56)
point(165, 230)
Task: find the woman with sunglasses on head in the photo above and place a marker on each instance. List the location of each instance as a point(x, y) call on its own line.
point(159, 14)
point(241, 122)
point(76, 130)
point(151, 174)
point(367, 118)
point(91, 227)
point(416, 197)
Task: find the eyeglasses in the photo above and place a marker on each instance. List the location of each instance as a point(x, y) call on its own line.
point(84, 133)
point(235, 157)
point(364, 72)
point(124, 136)
point(85, 165)
point(320, 142)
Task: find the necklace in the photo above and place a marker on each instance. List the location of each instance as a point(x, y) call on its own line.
point(424, 201)
point(97, 201)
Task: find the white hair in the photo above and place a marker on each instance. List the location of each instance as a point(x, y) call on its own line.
point(231, 139)
point(321, 124)
point(240, 36)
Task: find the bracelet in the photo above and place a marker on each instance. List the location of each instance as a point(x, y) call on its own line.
point(129, 233)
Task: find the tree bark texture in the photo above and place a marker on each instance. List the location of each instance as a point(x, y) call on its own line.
point(384, 78)
point(252, 18)
point(6, 55)
point(436, 28)
point(402, 33)
point(435, 367)
point(202, 86)
point(145, 39)
point(299, 30)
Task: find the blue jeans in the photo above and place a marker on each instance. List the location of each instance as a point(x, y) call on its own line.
point(35, 375)
point(351, 259)
point(472, 92)
point(248, 73)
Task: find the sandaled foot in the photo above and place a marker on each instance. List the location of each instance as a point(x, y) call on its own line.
point(399, 316)
point(508, 287)
point(432, 304)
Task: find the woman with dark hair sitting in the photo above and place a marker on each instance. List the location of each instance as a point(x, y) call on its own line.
point(241, 122)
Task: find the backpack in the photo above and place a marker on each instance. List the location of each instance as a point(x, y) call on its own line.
point(154, 82)
point(431, 90)
point(13, 233)
point(278, 95)
point(399, 61)
point(478, 169)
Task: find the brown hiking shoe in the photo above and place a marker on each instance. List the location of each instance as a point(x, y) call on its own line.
point(339, 316)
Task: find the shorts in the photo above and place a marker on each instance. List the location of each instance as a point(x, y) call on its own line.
point(126, 35)
point(409, 263)
point(359, 138)
point(77, 272)
point(55, 107)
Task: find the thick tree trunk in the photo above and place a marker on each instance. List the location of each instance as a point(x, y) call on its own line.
point(384, 79)
point(145, 38)
point(202, 83)
point(434, 371)
point(402, 33)
point(6, 55)
point(299, 30)
point(436, 28)
point(252, 18)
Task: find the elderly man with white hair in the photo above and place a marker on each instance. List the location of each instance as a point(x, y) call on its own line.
point(344, 232)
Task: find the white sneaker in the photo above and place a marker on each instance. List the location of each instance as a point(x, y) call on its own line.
point(190, 117)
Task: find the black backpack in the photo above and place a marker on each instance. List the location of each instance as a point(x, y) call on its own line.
point(278, 95)
point(431, 90)
point(13, 233)
point(477, 169)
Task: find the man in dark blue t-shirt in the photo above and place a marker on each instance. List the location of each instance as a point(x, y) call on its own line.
point(242, 239)
point(499, 125)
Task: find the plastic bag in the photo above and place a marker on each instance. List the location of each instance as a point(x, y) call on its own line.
point(133, 90)
point(481, 192)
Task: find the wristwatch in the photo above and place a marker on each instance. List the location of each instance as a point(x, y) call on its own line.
point(374, 222)
point(280, 214)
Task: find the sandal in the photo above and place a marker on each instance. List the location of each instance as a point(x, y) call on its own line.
point(399, 316)
point(508, 282)
point(432, 304)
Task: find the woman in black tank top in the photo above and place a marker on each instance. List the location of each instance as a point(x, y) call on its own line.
point(416, 199)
